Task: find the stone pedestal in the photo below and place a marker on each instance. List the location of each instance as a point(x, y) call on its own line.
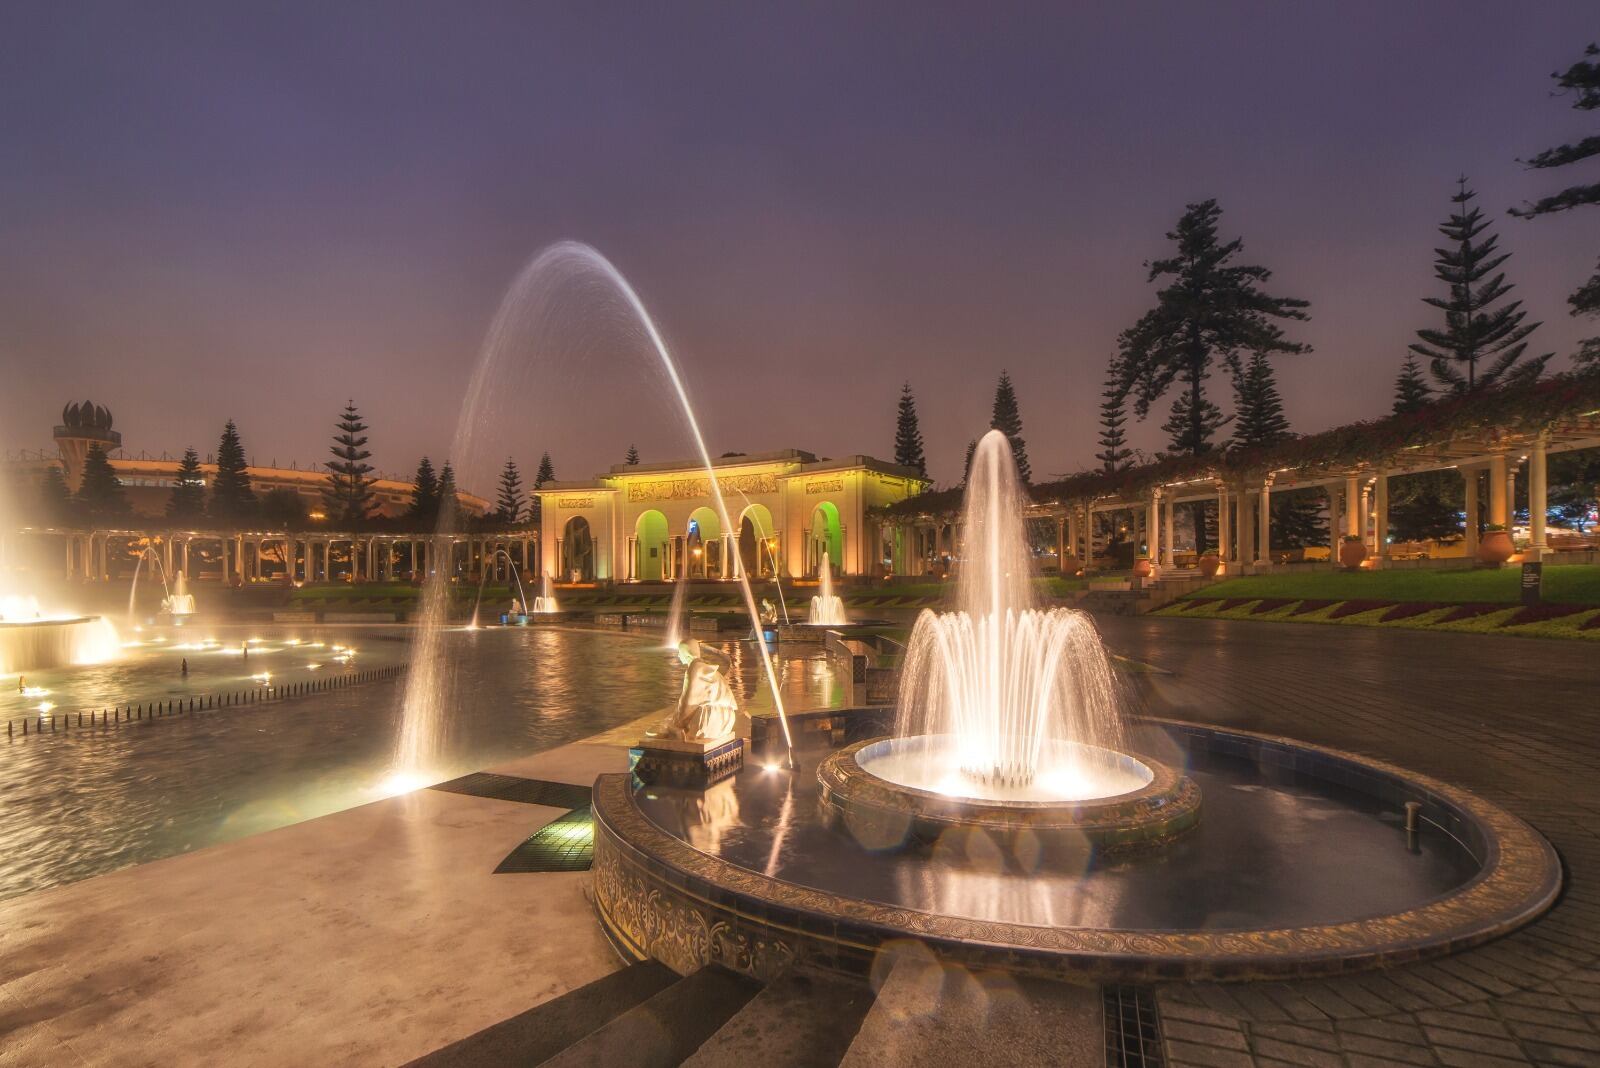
point(690, 765)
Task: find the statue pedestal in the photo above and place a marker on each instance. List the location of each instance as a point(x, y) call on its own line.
point(692, 765)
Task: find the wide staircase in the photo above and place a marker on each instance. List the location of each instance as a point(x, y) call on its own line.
point(646, 1016)
point(1128, 600)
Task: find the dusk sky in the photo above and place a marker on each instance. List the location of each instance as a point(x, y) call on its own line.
point(262, 211)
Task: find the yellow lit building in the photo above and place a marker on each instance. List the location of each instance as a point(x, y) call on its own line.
point(785, 510)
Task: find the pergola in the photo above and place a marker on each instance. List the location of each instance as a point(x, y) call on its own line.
point(1498, 431)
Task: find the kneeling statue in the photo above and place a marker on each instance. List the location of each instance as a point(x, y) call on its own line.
point(707, 710)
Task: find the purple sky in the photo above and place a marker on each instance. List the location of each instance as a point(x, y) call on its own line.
point(259, 212)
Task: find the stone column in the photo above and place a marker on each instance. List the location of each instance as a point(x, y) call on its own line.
point(1166, 530)
point(1471, 476)
point(1224, 534)
point(1152, 529)
point(1380, 519)
point(1537, 502)
point(1264, 524)
point(1246, 527)
point(1352, 506)
point(1061, 544)
point(1511, 492)
point(1499, 508)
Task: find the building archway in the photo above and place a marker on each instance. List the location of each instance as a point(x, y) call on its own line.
point(702, 544)
point(651, 537)
point(577, 551)
point(826, 536)
point(758, 542)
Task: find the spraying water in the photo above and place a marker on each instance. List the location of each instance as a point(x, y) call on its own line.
point(827, 610)
point(999, 697)
point(529, 299)
point(675, 633)
point(522, 596)
point(546, 601)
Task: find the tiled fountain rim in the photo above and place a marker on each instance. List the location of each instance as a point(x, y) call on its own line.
point(649, 883)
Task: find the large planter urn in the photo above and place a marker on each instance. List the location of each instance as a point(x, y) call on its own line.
point(1495, 547)
point(1351, 552)
point(1210, 563)
point(1143, 568)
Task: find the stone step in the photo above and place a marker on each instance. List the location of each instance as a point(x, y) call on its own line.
point(544, 1030)
point(662, 1031)
point(797, 1022)
point(928, 1014)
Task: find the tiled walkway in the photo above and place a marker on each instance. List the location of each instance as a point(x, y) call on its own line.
point(1517, 720)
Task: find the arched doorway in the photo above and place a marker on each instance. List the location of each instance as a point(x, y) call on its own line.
point(703, 545)
point(758, 542)
point(650, 540)
point(826, 536)
point(577, 551)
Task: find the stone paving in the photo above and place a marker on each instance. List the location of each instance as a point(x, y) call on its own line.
point(1517, 720)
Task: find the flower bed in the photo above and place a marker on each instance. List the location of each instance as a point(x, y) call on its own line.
point(1538, 613)
point(1408, 609)
point(1356, 607)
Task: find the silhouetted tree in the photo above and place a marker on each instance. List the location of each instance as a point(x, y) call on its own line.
point(908, 435)
point(100, 491)
point(632, 459)
point(509, 506)
point(1480, 345)
point(232, 498)
point(449, 501)
point(1211, 309)
point(1114, 454)
point(1411, 392)
point(966, 469)
point(1582, 82)
point(349, 491)
point(55, 499)
point(546, 472)
point(424, 493)
point(1258, 407)
point(1007, 419)
point(283, 508)
point(188, 499)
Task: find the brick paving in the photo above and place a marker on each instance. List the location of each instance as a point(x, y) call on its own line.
point(1518, 721)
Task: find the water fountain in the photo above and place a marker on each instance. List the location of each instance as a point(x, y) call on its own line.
point(675, 615)
point(177, 602)
point(522, 595)
point(545, 603)
point(534, 297)
point(827, 609)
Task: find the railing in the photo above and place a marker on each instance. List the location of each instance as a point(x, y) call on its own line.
point(148, 711)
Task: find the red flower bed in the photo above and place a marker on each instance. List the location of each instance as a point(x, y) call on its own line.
point(1271, 604)
point(1538, 613)
point(1234, 602)
point(1469, 611)
point(1592, 623)
point(1408, 609)
point(1191, 603)
point(1356, 607)
point(1311, 606)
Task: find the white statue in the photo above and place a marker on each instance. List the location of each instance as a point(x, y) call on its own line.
point(769, 611)
point(516, 608)
point(707, 710)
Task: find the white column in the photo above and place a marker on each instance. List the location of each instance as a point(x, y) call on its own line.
point(1246, 528)
point(1352, 506)
point(1537, 503)
point(1152, 527)
point(1264, 525)
point(1499, 511)
point(1166, 531)
point(1470, 474)
point(1224, 535)
point(1380, 518)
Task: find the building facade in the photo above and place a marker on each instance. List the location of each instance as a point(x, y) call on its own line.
point(785, 511)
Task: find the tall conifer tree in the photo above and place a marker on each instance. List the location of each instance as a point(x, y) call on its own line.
point(233, 499)
point(546, 472)
point(348, 494)
point(908, 435)
point(1481, 344)
point(424, 493)
point(632, 459)
point(100, 490)
point(1258, 411)
point(508, 508)
point(1411, 392)
point(55, 499)
point(1581, 82)
point(1114, 454)
point(966, 469)
point(188, 500)
point(449, 500)
point(1007, 419)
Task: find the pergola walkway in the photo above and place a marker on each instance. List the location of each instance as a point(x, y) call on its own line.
point(1517, 720)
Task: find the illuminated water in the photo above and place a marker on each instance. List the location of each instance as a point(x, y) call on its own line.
point(1003, 686)
point(76, 805)
point(827, 610)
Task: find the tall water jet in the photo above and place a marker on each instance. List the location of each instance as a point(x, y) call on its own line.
point(483, 577)
point(675, 615)
point(1000, 698)
point(827, 610)
point(546, 601)
point(529, 300)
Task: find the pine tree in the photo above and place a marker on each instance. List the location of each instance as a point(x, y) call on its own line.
point(1008, 420)
point(1480, 345)
point(1259, 418)
point(1411, 392)
point(188, 499)
point(100, 491)
point(632, 459)
point(908, 435)
point(424, 493)
point(546, 472)
point(509, 505)
point(1212, 309)
point(449, 502)
point(1582, 81)
point(232, 498)
point(55, 499)
point(966, 470)
point(348, 494)
point(1114, 454)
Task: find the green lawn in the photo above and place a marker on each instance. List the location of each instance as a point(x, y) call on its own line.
point(1569, 584)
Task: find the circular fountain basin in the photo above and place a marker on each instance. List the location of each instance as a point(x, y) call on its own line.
point(912, 791)
point(1302, 866)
